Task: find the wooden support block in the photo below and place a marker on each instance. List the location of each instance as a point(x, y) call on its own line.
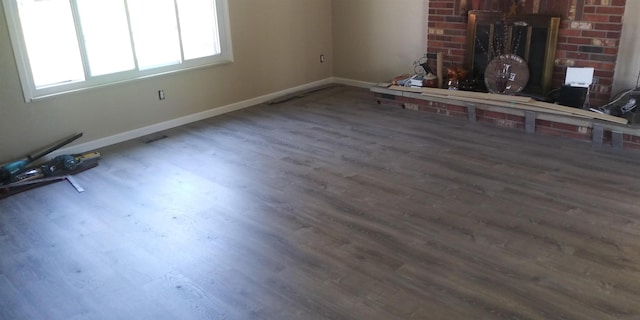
point(616, 140)
point(439, 69)
point(471, 112)
point(598, 134)
point(581, 112)
point(529, 122)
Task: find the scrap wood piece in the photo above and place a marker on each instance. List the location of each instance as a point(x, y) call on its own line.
point(407, 89)
point(518, 106)
point(477, 95)
point(581, 112)
point(34, 181)
point(458, 93)
point(551, 108)
point(517, 102)
point(6, 192)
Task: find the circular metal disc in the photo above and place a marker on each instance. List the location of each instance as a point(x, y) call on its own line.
point(518, 73)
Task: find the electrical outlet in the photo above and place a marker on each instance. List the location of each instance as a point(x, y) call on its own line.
point(161, 95)
point(322, 58)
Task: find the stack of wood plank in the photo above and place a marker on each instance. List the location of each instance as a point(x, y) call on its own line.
point(515, 102)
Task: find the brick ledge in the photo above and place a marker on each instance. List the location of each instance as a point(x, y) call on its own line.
point(597, 131)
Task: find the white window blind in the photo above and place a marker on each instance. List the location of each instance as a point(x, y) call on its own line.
point(68, 45)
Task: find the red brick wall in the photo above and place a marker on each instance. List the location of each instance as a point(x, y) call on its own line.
point(589, 35)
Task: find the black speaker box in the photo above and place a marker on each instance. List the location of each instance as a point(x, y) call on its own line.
point(572, 96)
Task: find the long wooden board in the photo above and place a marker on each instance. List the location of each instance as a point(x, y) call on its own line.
point(458, 93)
point(512, 105)
point(577, 111)
point(406, 89)
point(524, 103)
point(477, 95)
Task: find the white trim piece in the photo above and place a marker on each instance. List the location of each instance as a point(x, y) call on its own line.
point(136, 133)
point(19, 50)
point(353, 83)
point(224, 30)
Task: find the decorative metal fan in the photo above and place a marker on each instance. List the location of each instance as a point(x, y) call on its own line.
point(421, 66)
point(506, 74)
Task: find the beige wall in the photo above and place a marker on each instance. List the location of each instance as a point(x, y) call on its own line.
point(628, 64)
point(374, 40)
point(276, 46)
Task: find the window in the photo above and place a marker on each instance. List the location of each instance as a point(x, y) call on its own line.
point(68, 45)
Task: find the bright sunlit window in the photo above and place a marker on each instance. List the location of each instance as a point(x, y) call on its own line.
point(68, 45)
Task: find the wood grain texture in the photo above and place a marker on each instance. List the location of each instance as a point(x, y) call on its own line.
point(523, 103)
point(331, 207)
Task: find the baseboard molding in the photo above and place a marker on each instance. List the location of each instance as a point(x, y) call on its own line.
point(136, 133)
point(353, 83)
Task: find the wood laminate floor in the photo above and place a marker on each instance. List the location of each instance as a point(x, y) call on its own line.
point(329, 206)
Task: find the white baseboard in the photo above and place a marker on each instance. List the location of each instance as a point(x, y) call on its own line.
point(353, 83)
point(136, 133)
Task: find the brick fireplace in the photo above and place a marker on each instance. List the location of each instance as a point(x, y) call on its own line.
point(589, 34)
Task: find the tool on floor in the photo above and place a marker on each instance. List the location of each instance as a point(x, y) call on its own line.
point(57, 166)
point(10, 170)
point(57, 169)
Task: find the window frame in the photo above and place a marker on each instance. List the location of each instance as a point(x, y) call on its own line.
point(32, 93)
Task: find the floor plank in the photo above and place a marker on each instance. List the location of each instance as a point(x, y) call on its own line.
point(329, 206)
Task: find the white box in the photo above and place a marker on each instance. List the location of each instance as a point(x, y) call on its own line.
point(579, 77)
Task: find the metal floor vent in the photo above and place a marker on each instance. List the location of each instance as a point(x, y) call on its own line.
point(156, 138)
